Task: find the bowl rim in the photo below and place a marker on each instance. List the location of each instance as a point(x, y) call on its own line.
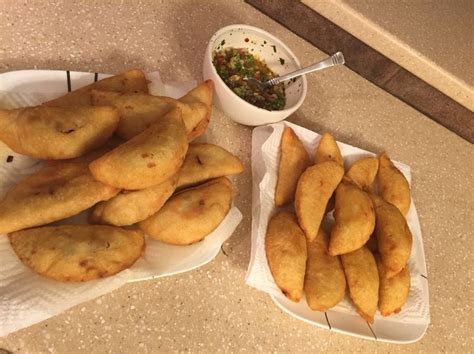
point(280, 43)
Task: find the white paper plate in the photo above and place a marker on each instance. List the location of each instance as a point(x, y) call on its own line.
point(27, 298)
point(406, 327)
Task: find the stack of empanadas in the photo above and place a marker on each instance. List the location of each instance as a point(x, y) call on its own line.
point(151, 178)
point(365, 223)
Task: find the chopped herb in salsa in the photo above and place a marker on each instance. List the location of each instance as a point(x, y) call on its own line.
point(235, 64)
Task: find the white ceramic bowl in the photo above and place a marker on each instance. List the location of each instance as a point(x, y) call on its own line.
point(279, 58)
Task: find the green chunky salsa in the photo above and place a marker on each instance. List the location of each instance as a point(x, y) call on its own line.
point(235, 64)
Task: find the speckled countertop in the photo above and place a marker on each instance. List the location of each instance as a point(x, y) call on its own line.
point(211, 308)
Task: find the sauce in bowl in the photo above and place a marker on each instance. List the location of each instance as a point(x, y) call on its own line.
point(234, 64)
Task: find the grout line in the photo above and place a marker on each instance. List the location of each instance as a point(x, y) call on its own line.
point(327, 320)
point(368, 324)
point(223, 251)
point(68, 76)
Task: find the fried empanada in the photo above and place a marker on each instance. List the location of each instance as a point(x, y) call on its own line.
point(393, 186)
point(51, 194)
point(130, 81)
point(328, 150)
point(363, 281)
point(294, 159)
point(192, 214)
point(285, 247)
point(354, 219)
point(363, 172)
point(147, 159)
point(201, 94)
point(324, 283)
point(130, 207)
point(315, 187)
point(139, 111)
point(53, 133)
point(394, 239)
point(393, 292)
point(78, 253)
point(205, 161)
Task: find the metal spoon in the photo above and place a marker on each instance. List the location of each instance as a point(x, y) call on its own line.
point(335, 59)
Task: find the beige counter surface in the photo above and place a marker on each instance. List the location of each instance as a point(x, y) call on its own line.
point(431, 39)
point(211, 308)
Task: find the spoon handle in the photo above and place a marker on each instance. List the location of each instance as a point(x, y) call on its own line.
point(335, 59)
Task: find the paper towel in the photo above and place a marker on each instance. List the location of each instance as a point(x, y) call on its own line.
point(265, 159)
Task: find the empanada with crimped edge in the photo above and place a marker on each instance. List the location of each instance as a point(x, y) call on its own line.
point(192, 214)
point(77, 253)
point(53, 193)
point(294, 159)
point(130, 81)
point(285, 247)
point(130, 207)
point(363, 282)
point(147, 159)
point(57, 133)
point(205, 161)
